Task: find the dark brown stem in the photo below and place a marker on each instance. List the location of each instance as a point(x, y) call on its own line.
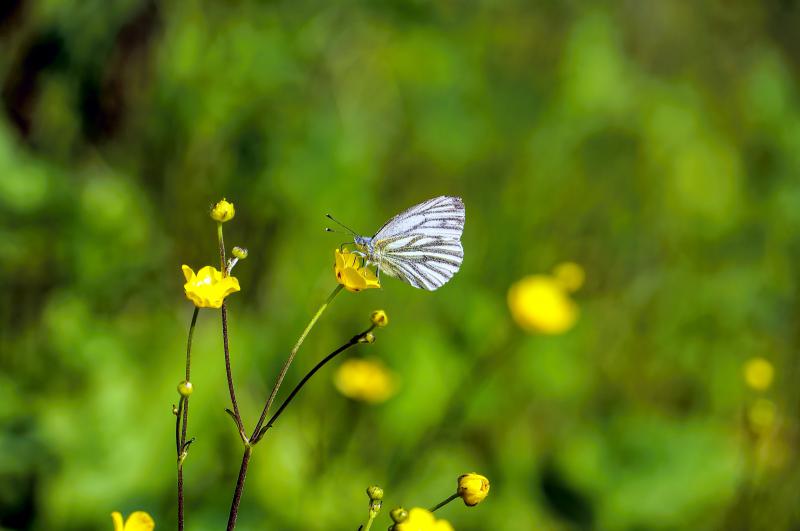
point(229, 373)
point(237, 494)
point(289, 360)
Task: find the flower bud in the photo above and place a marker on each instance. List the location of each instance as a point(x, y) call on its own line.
point(379, 318)
point(223, 211)
point(375, 492)
point(398, 515)
point(175, 410)
point(239, 252)
point(185, 388)
point(369, 337)
point(473, 488)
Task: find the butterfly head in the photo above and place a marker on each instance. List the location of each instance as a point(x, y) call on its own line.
point(364, 244)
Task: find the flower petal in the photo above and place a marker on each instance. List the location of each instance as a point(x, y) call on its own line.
point(117, 518)
point(139, 521)
point(187, 272)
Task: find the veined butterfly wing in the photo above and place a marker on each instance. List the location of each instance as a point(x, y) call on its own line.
point(422, 245)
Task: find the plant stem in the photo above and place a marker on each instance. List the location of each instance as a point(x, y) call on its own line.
point(353, 341)
point(237, 494)
point(183, 419)
point(229, 373)
point(369, 522)
point(444, 502)
point(289, 360)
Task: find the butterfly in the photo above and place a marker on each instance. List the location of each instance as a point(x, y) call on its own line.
point(421, 245)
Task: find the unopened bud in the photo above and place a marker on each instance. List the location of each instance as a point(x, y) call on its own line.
point(375, 492)
point(379, 318)
point(239, 252)
point(369, 337)
point(185, 388)
point(398, 515)
point(223, 211)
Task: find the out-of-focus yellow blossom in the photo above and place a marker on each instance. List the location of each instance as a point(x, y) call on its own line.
point(761, 415)
point(422, 520)
point(350, 273)
point(208, 288)
point(570, 275)
point(758, 373)
point(539, 303)
point(223, 211)
point(366, 380)
point(137, 521)
point(473, 488)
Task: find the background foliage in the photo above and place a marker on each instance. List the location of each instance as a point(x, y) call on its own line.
point(655, 143)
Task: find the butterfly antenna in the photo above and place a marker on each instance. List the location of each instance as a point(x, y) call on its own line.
point(348, 229)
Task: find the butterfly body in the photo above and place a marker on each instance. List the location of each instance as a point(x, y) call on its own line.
point(422, 245)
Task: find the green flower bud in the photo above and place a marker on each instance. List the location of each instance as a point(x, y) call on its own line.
point(375, 492)
point(185, 388)
point(369, 337)
point(398, 515)
point(239, 252)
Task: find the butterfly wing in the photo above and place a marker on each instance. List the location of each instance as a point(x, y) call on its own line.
point(422, 245)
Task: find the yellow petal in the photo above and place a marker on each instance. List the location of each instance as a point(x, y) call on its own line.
point(139, 521)
point(117, 518)
point(187, 272)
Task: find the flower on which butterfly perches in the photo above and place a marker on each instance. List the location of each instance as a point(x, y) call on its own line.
point(137, 521)
point(422, 520)
point(351, 274)
point(208, 288)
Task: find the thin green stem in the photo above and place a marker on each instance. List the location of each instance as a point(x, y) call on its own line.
point(353, 341)
point(229, 373)
point(444, 502)
point(182, 421)
point(221, 240)
point(369, 522)
point(290, 359)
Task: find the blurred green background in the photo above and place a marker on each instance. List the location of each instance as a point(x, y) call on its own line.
point(657, 144)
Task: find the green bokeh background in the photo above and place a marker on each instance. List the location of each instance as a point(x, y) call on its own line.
point(655, 143)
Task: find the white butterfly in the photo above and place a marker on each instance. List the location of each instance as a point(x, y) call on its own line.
point(421, 246)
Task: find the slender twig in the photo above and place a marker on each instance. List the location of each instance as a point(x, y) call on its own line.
point(289, 360)
point(182, 420)
point(444, 502)
point(237, 494)
point(353, 341)
point(229, 373)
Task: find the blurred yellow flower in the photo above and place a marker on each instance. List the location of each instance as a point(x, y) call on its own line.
point(137, 521)
point(379, 318)
point(539, 303)
point(208, 288)
point(473, 488)
point(758, 373)
point(350, 273)
point(366, 380)
point(570, 275)
point(223, 211)
point(422, 520)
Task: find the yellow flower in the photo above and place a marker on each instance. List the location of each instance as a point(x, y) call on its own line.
point(350, 273)
point(208, 288)
point(422, 520)
point(570, 275)
point(473, 488)
point(365, 380)
point(223, 211)
point(758, 374)
point(539, 303)
point(137, 521)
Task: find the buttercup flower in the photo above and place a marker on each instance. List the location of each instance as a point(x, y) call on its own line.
point(422, 520)
point(223, 211)
point(758, 373)
point(365, 380)
point(539, 303)
point(208, 288)
point(137, 521)
point(473, 488)
point(350, 273)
